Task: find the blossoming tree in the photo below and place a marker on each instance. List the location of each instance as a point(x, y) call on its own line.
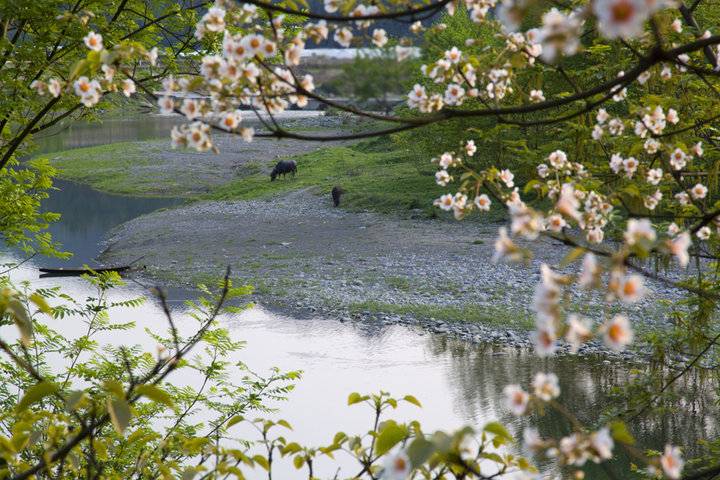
point(633, 185)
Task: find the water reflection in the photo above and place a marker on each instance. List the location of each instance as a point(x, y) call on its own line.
point(88, 216)
point(457, 383)
point(114, 130)
point(477, 374)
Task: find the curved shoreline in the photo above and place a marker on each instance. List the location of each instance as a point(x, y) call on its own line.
point(308, 258)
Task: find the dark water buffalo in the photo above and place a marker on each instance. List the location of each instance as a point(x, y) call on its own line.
point(336, 193)
point(283, 167)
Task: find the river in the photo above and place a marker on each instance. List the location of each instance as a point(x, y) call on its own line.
point(457, 383)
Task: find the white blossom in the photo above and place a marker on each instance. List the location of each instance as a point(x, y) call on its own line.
point(546, 386)
point(704, 233)
point(621, 18)
point(396, 466)
point(654, 175)
point(482, 202)
point(379, 37)
point(672, 462)
point(93, 41)
point(617, 332)
point(516, 399)
point(343, 36)
point(679, 248)
point(699, 191)
point(537, 96)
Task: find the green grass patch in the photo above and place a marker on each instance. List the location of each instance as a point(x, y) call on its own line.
point(105, 167)
point(374, 175)
point(487, 315)
point(398, 283)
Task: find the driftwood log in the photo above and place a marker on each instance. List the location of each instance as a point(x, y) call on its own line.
point(76, 272)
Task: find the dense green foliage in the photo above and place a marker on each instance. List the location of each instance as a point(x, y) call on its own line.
point(22, 222)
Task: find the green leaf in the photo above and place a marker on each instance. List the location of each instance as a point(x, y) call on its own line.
point(498, 430)
point(120, 414)
point(189, 473)
point(620, 433)
point(299, 461)
point(21, 319)
point(36, 393)
point(329, 450)
point(419, 451)
point(354, 398)
point(73, 400)
point(80, 67)
point(234, 421)
point(292, 447)
point(262, 461)
point(413, 400)
point(493, 456)
point(572, 255)
point(390, 434)
point(339, 438)
point(40, 302)
point(530, 186)
point(115, 388)
point(156, 394)
point(285, 424)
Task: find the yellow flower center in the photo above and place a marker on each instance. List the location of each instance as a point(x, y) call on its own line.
point(615, 332)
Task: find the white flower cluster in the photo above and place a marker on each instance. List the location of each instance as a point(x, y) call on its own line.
point(241, 77)
point(579, 447)
point(461, 80)
point(458, 203)
point(546, 388)
point(90, 90)
point(479, 9)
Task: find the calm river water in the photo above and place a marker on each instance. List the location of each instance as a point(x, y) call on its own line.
point(457, 383)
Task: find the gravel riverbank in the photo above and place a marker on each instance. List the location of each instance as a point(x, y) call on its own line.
point(305, 256)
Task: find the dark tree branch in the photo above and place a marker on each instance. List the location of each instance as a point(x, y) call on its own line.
point(349, 18)
point(690, 21)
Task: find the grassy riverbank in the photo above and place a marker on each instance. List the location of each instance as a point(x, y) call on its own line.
point(376, 175)
point(111, 168)
point(287, 239)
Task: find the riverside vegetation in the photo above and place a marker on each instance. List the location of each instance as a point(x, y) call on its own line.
point(613, 173)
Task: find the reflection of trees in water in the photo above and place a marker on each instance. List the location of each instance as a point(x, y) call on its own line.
point(687, 415)
point(477, 375)
point(88, 215)
point(132, 128)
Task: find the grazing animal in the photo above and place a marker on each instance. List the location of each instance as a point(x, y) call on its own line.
point(283, 167)
point(336, 193)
